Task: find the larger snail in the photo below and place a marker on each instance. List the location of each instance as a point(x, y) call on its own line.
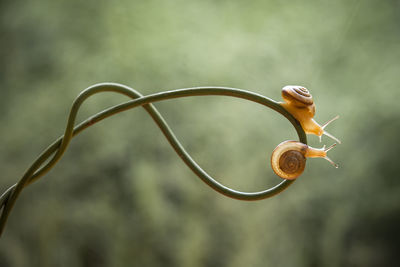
point(288, 160)
point(299, 102)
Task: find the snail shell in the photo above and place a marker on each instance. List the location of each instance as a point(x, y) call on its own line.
point(288, 159)
point(298, 97)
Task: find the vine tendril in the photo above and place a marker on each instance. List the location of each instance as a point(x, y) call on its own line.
point(55, 151)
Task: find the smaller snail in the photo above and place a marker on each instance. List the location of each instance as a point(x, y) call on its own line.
point(299, 102)
point(288, 159)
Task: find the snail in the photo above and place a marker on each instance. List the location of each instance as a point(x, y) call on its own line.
point(299, 102)
point(288, 159)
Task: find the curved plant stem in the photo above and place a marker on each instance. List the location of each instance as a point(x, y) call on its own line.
point(57, 148)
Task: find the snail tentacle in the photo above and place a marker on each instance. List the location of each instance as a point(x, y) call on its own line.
point(328, 134)
point(331, 136)
point(328, 122)
point(327, 158)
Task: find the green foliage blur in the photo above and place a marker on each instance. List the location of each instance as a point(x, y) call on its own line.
point(122, 197)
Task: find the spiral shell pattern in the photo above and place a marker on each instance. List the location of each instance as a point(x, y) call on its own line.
point(288, 159)
point(297, 95)
point(292, 162)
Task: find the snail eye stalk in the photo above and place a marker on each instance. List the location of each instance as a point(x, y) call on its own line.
point(327, 158)
point(328, 134)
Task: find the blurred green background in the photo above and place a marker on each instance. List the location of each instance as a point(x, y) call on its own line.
point(121, 196)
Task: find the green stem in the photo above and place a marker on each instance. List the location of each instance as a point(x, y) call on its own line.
point(8, 199)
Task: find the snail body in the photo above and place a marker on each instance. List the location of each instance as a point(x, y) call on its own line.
point(288, 159)
point(299, 102)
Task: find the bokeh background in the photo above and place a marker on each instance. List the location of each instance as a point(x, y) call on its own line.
point(122, 197)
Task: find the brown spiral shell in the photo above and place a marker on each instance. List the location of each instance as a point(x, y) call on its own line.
point(297, 95)
point(288, 159)
point(292, 162)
